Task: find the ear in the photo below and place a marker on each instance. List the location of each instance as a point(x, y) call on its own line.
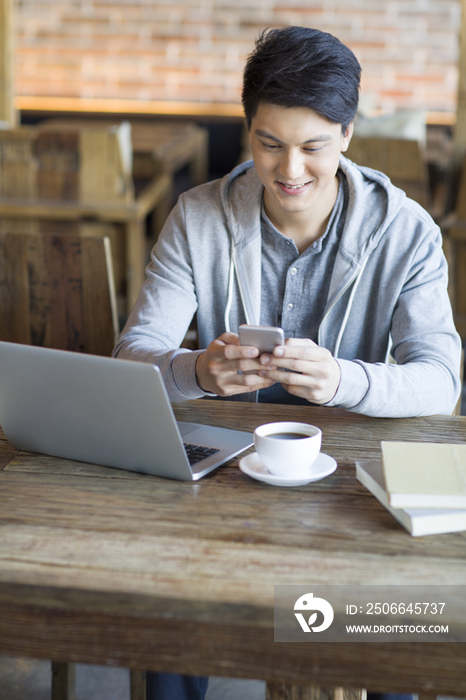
point(346, 138)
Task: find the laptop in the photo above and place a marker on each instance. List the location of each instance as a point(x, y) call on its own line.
point(105, 411)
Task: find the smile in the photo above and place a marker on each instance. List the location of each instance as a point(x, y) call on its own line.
point(293, 190)
point(293, 187)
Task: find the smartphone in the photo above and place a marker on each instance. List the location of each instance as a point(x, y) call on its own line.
point(265, 338)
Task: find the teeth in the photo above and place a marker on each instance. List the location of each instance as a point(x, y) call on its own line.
point(294, 187)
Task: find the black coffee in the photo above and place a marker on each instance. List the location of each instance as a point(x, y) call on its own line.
point(288, 436)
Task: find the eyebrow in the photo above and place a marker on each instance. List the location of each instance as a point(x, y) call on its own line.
point(265, 135)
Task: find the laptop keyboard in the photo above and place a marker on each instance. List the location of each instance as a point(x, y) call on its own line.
point(197, 452)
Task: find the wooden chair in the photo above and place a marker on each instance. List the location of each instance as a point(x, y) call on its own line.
point(457, 411)
point(169, 145)
point(454, 244)
point(75, 178)
point(402, 160)
point(160, 149)
point(158, 145)
point(57, 291)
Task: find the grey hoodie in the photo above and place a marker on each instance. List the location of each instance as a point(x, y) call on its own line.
point(388, 293)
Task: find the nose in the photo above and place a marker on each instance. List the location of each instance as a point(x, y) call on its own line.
point(292, 165)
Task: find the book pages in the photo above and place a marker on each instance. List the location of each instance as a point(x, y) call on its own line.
point(425, 469)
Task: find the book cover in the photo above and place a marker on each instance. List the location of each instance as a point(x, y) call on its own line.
point(417, 521)
point(425, 474)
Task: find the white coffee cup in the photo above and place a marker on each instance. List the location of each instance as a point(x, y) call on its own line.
point(287, 448)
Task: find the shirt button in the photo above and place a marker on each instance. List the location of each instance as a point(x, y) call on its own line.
point(293, 271)
point(289, 307)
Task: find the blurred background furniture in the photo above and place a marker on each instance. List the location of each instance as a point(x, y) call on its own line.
point(402, 160)
point(158, 147)
point(396, 144)
point(7, 61)
point(454, 242)
point(79, 181)
point(57, 291)
point(167, 146)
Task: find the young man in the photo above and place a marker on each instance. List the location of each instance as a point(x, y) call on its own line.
point(304, 239)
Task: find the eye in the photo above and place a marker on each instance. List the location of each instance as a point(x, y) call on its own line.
point(270, 146)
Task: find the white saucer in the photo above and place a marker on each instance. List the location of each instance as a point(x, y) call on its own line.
point(253, 467)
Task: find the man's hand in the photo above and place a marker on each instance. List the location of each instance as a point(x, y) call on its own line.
point(218, 366)
point(319, 373)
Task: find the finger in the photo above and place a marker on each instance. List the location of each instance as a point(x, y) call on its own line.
point(241, 383)
point(316, 395)
point(292, 364)
point(305, 387)
point(268, 361)
point(253, 382)
point(229, 338)
point(291, 378)
point(230, 351)
point(230, 371)
point(304, 351)
point(300, 391)
point(217, 373)
point(296, 342)
point(238, 352)
point(314, 375)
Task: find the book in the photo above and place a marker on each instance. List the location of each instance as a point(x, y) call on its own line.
point(417, 521)
point(425, 474)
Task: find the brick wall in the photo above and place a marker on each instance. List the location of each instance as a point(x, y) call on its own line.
point(195, 49)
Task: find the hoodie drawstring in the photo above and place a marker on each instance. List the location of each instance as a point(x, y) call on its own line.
point(231, 276)
point(230, 291)
point(348, 309)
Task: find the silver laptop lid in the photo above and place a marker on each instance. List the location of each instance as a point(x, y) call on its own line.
point(89, 408)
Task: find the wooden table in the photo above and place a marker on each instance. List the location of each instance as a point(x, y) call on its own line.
point(110, 567)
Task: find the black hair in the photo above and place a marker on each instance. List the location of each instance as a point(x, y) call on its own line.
point(302, 67)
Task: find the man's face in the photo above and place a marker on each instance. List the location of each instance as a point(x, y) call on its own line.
point(296, 153)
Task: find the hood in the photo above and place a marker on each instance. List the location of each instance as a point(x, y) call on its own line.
point(241, 196)
point(373, 205)
point(374, 202)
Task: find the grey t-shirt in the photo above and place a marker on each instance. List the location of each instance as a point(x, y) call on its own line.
point(294, 286)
